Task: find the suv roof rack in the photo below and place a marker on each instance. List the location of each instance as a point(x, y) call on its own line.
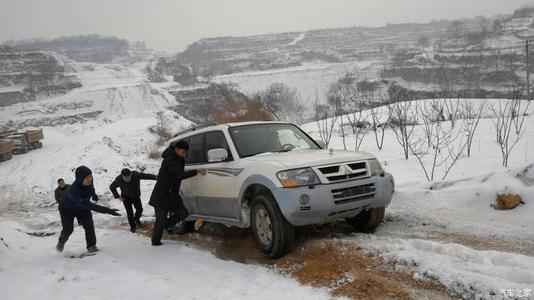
point(195, 128)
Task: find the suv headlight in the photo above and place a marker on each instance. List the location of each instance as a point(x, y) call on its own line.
point(375, 167)
point(298, 177)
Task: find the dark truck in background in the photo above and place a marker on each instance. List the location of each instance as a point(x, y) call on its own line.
point(22, 142)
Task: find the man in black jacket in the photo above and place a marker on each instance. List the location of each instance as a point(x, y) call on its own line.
point(60, 190)
point(166, 194)
point(130, 184)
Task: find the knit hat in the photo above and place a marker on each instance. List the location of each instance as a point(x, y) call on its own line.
point(82, 172)
point(181, 145)
point(126, 172)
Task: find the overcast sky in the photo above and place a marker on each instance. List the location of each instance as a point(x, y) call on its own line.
point(173, 24)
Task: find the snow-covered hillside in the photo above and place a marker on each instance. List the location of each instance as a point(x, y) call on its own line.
point(108, 93)
point(310, 80)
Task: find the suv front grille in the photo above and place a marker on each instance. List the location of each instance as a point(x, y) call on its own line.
point(354, 193)
point(345, 171)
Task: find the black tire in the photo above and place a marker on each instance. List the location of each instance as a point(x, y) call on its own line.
point(265, 216)
point(183, 227)
point(25, 150)
point(368, 220)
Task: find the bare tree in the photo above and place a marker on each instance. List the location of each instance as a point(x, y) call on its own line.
point(402, 124)
point(326, 120)
point(340, 96)
point(424, 42)
point(509, 121)
point(380, 118)
point(360, 126)
point(471, 118)
point(441, 145)
point(451, 110)
point(281, 101)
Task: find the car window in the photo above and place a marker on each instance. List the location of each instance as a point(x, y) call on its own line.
point(214, 140)
point(195, 155)
point(292, 137)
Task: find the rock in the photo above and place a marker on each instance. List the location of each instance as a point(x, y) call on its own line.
point(507, 201)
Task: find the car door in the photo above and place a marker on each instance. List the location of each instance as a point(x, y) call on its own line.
point(191, 188)
point(218, 197)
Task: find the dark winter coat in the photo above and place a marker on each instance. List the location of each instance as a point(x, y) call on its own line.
point(130, 190)
point(58, 193)
point(166, 193)
point(77, 197)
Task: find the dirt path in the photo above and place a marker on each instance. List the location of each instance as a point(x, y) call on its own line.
point(319, 260)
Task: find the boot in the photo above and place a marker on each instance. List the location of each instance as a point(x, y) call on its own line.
point(60, 246)
point(92, 249)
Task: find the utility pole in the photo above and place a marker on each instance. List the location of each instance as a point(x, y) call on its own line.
point(528, 71)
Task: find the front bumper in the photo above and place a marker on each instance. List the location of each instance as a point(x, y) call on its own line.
point(330, 202)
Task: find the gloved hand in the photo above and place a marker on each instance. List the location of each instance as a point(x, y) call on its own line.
point(114, 212)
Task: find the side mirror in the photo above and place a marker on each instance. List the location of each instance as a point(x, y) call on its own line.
point(321, 144)
point(217, 155)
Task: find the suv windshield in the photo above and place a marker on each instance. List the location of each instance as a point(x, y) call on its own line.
point(261, 138)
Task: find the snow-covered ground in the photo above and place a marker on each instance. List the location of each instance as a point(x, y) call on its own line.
point(129, 268)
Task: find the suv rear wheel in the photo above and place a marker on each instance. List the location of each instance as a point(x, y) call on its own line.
point(271, 232)
point(182, 227)
point(368, 220)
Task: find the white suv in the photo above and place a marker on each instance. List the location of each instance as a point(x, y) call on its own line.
point(273, 177)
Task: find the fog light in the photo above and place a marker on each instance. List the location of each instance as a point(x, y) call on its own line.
point(304, 199)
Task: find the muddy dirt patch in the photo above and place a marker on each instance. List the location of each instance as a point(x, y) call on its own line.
point(318, 259)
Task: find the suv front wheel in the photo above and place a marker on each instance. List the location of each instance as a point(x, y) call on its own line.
point(271, 232)
point(368, 220)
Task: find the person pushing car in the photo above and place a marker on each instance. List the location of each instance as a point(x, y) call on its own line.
point(76, 203)
point(165, 197)
point(130, 184)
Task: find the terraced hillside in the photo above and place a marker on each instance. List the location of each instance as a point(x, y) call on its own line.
point(27, 75)
point(226, 55)
point(479, 57)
